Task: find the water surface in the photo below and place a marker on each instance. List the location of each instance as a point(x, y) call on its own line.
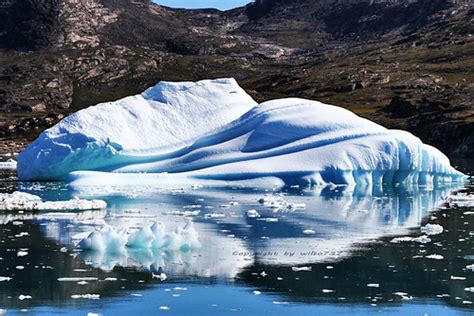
point(336, 255)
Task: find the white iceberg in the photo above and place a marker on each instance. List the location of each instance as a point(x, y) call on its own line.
point(213, 132)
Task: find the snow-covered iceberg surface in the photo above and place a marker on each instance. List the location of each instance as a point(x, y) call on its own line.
point(213, 132)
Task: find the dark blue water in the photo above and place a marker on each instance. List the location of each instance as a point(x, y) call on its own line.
point(335, 256)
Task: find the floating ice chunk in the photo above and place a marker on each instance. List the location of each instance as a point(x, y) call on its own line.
point(160, 276)
point(105, 240)
point(21, 201)
point(110, 279)
point(24, 297)
point(461, 199)
point(423, 239)
point(276, 202)
point(22, 253)
point(257, 293)
point(373, 285)
point(165, 308)
point(178, 288)
point(154, 237)
point(214, 215)
point(328, 291)
point(400, 294)
point(434, 256)
point(86, 296)
point(77, 279)
point(297, 269)
point(269, 219)
point(309, 232)
point(10, 164)
point(458, 278)
point(470, 267)
point(469, 289)
point(253, 214)
point(3, 279)
point(186, 213)
point(432, 229)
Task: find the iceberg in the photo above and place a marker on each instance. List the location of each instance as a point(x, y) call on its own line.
point(213, 133)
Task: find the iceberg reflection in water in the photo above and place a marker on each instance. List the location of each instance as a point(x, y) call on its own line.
point(328, 225)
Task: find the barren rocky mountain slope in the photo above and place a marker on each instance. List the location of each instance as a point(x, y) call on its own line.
point(405, 64)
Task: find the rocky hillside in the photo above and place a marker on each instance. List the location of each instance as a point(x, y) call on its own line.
point(405, 64)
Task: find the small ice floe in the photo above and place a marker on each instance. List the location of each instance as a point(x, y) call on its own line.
point(160, 276)
point(404, 296)
point(470, 267)
point(325, 291)
point(21, 253)
point(423, 239)
point(269, 219)
point(432, 229)
point(280, 303)
point(309, 232)
point(253, 214)
point(21, 201)
point(278, 203)
point(257, 293)
point(155, 236)
point(185, 213)
point(469, 289)
point(77, 279)
point(192, 206)
point(298, 269)
point(376, 285)
point(86, 296)
point(461, 199)
point(453, 277)
point(24, 297)
point(435, 257)
point(214, 215)
point(164, 308)
point(4, 279)
point(110, 279)
point(10, 164)
point(177, 288)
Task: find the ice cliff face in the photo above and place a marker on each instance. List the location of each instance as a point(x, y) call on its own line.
point(212, 131)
